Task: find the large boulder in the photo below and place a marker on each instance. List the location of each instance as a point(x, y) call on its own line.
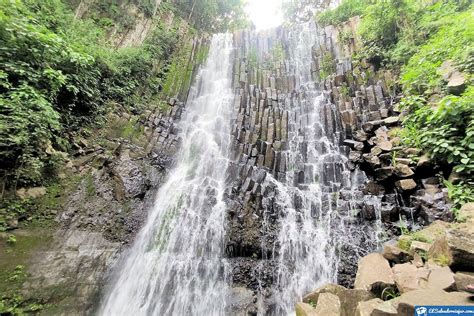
point(419, 246)
point(374, 273)
point(440, 253)
point(457, 83)
point(439, 278)
point(328, 305)
point(460, 240)
point(463, 279)
point(434, 231)
point(393, 253)
point(403, 171)
point(408, 277)
point(467, 212)
point(386, 308)
point(406, 302)
point(33, 193)
point(406, 184)
point(350, 299)
point(366, 308)
point(305, 309)
point(312, 298)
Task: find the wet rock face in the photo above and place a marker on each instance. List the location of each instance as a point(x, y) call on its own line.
point(120, 187)
point(106, 211)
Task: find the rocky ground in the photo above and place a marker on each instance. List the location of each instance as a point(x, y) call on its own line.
point(434, 266)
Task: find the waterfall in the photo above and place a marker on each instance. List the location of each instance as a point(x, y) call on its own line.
point(311, 226)
point(175, 266)
point(310, 197)
point(261, 197)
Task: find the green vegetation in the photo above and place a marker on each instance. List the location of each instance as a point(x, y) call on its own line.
point(213, 15)
point(57, 75)
point(460, 194)
point(389, 293)
point(343, 12)
point(425, 41)
point(327, 66)
point(60, 74)
point(14, 259)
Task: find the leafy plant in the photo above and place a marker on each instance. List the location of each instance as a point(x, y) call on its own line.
point(389, 293)
point(445, 131)
point(18, 273)
point(345, 10)
point(422, 74)
point(327, 66)
point(459, 194)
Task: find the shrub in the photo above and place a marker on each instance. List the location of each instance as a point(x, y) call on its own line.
point(460, 194)
point(421, 74)
point(445, 131)
point(346, 10)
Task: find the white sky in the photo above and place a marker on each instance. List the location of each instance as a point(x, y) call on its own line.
point(265, 13)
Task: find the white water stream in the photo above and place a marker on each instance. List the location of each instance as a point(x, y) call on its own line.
point(176, 265)
point(315, 219)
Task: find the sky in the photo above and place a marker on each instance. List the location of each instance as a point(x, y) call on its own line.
point(265, 13)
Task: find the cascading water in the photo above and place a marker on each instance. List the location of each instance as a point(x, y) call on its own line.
point(318, 192)
point(175, 267)
point(293, 191)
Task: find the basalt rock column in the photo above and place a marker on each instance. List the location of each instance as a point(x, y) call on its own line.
point(292, 223)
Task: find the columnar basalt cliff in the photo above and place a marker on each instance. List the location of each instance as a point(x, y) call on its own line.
point(293, 212)
point(297, 179)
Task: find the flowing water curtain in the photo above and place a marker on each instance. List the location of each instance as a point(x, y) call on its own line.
point(176, 266)
point(314, 225)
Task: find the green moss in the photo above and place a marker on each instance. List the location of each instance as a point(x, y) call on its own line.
point(90, 185)
point(178, 77)
point(404, 243)
point(202, 53)
point(418, 236)
point(14, 261)
point(443, 260)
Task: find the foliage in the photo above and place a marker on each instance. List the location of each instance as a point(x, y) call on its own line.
point(344, 11)
point(445, 131)
point(460, 194)
point(382, 26)
point(11, 240)
point(345, 37)
point(213, 15)
point(12, 209)
point(14, 303)
point(327, 66)
point(39, 77)
point(448, 43)
point(389, 293)
point(57, 74)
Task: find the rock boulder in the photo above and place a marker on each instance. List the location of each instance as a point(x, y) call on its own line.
point(374, 273)
point(328, 305)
